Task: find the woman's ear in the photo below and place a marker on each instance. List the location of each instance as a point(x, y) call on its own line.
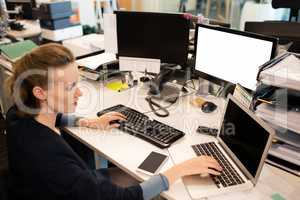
point(39, 93)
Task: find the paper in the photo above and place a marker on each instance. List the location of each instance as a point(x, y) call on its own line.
point(280, 117)
point(5, 63)
point(93, 62)
point(286, 136)
point(242, 95)
point(110, 33)
point(91, 41)
point(117, 86)
point(284, 74)
point(286, 152)
point(139, 64)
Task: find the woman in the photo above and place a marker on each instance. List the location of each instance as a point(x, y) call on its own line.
point(42, 165)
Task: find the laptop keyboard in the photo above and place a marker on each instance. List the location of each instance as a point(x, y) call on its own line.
point(229, 176)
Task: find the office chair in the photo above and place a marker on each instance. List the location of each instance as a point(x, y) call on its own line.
point(294, 5)
point(3, 161)
point(5, 100)
point(286, 32)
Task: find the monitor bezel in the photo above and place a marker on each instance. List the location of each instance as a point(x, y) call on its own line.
point(183, 65)
point(263, 124)
point(220, 81)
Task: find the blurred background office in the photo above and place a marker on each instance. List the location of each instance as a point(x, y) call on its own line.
point(279, 15)
point(234, 12)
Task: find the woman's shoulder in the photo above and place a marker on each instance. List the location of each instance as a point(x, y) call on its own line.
point(14, 115)
point(23, 125)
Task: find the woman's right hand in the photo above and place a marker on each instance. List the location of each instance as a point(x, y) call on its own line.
point(104, 121)
point(198, 165)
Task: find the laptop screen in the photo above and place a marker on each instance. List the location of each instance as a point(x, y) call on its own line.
point(245, 137)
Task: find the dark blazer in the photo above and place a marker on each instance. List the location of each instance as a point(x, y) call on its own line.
point(43, 166)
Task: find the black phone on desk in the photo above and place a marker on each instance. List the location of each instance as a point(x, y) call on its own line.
point(207, 131)
point(157, 83)
point(152, 163)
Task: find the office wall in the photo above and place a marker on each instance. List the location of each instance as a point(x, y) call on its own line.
point(86, 12)
point(125, 4)
point(159, 5)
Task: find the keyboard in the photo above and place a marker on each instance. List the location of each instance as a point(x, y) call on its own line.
point(140, 125)
point(229, 176)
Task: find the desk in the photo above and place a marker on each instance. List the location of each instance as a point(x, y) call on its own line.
point(32, 29)
point(127, 151)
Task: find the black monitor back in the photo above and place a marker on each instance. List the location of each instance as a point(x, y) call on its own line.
point(27, 8)
point(293, 4)
point(286, 32)
point(163, 36)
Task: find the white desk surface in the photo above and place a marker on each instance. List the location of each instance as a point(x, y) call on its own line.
point(32, 28)
point(127, 151)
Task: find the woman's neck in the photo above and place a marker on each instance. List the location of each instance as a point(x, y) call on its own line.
point(48, 120)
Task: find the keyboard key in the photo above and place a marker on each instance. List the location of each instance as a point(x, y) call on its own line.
point(228, 176)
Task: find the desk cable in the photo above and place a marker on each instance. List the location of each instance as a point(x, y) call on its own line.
point(159, 107)
point(153, 104)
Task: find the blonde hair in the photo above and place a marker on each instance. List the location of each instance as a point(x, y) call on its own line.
point(41, 58)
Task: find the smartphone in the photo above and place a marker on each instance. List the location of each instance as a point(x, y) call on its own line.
point(152, 163)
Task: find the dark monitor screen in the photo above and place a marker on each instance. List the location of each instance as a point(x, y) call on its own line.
point(161, 36)
point(232, 56)
point(244, 136)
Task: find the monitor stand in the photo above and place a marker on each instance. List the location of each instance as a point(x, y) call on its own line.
point(206, 88)
point(225, 90)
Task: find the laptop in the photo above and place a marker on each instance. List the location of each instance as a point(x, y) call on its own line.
point(241, 148)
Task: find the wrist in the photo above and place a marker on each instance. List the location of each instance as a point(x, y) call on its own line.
point(173, 174)
point(80, 122)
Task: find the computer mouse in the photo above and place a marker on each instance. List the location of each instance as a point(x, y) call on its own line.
point(208, 107)
point(120, 122)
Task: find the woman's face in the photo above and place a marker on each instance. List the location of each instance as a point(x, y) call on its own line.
point(63, 92)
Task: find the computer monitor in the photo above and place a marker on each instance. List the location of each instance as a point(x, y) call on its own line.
point(27, 8)
point(230, 56)
point(163, 36)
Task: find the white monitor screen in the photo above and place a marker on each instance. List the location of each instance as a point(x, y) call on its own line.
point(231, 57)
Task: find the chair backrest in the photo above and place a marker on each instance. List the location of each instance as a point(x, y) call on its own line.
point(3, 161)
point(285, 31)
point(5, 100)
point(3, 146)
